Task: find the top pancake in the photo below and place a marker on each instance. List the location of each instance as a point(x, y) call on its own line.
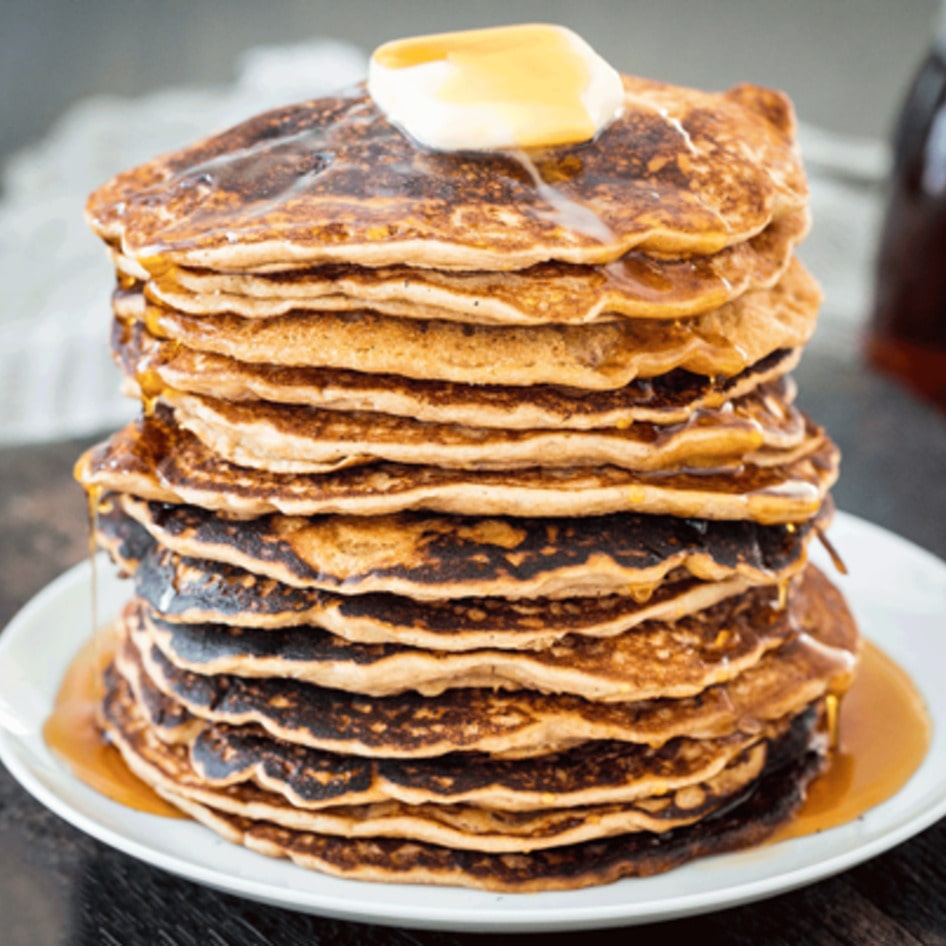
point(331, 180)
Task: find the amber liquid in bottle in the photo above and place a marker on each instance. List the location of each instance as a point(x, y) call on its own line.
point(908, 331)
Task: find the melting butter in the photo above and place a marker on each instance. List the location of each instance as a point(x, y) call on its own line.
point(526, 86)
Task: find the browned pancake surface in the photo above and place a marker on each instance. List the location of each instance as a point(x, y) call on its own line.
point(636, 285)
point(655, 660)
point(436, 557)
point(599, 772)
point(593, 773)
point(521, 723)
point(593, 862)
point(331, 180)
point(156, 460)
point(502, 858)
point(668, 399)
point(457, 825)
point(760, 428)
point(196, 591)
point(596, 357)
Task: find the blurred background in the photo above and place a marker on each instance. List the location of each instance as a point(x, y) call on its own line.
point(845, 62)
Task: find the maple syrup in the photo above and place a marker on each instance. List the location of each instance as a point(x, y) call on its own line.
point(72, 732)
point(93, 496)
point(883, 733)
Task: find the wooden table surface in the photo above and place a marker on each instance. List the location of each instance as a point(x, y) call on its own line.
point(58, 886)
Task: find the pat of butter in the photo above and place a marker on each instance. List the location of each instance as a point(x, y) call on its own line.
point(509, 87)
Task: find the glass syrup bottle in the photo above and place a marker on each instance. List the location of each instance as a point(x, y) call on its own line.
point(907, 334)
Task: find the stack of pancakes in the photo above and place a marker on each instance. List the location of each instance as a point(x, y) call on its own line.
point(468, 506)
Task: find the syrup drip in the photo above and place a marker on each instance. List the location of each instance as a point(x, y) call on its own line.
point(836, 559)
point(832, 710)
point(643, 277)
point(565, 212)
point(153, 324)
point(93, 497)
point(882, 735)
point(72, 732)
point(151, 386)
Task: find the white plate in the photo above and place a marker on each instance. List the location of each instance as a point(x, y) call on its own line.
point(897, 591)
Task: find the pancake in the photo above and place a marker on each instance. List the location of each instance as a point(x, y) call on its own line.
point(596, 357)
point(125, 542)
point(297, 439)
point(458, 826)
point(593, 773)
point(519, 724)
point(435, 557)
point(654, 660)
point(156, 460)
point(507, 725)
point(635, 285)
point(669, 399)
point(331, 180)
point(771, 802)
point(168, 720)
point(187, 590)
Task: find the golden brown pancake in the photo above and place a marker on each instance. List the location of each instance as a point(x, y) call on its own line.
point(772, 802)
point(636, 285)
point(464, 827)
point(594, 357)
point(331, 180)
point(757, 429)
point(450, 828)
point(669, 399)
point(593, 773)
point(168, 720)
point(155, 460)
point(506, 725)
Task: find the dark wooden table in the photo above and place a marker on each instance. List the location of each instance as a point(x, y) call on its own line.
point(58, 886)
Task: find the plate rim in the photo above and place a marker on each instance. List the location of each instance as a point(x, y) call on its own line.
point(17, 755)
